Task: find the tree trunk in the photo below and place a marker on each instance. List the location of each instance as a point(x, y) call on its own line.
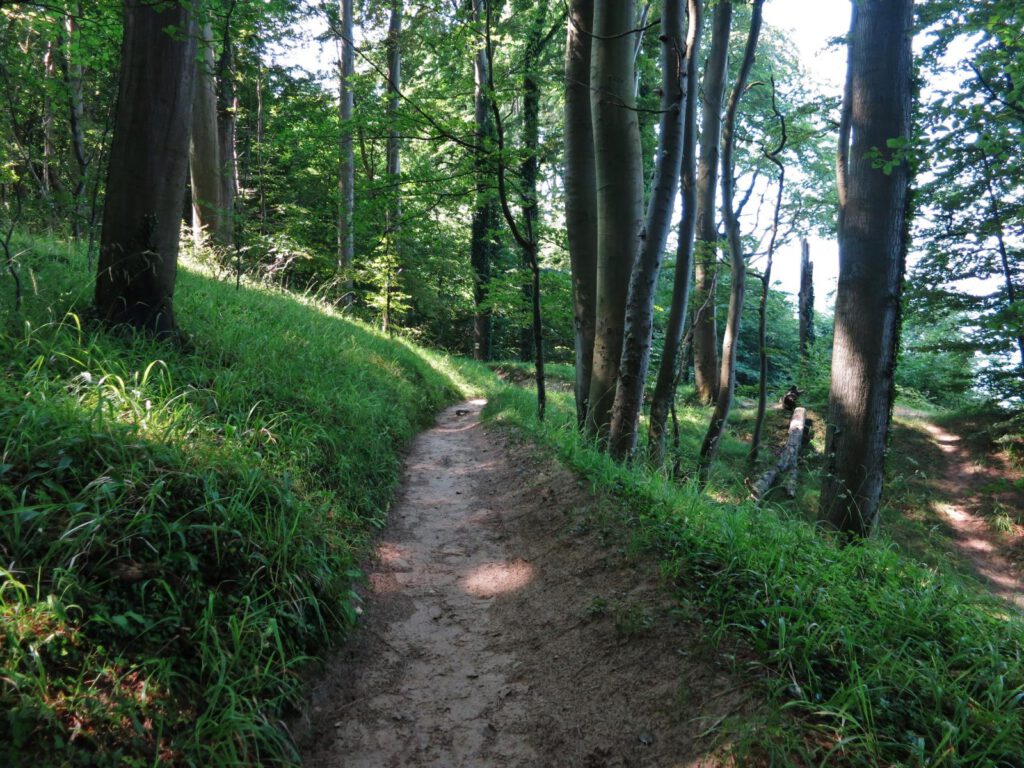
point(226, 109)
point(346, 156)
point(581, 194)
point(72, 71)
point(665, 387)
point(643, 281)
point(806, 301)
point(620, 195)
point(705, 330)
point(393, 167)
point(148, 164)
point(787, 459)
point(766, 286)
point(872, 242)
point(737, 261)
point(485, 216)
point(205, 154)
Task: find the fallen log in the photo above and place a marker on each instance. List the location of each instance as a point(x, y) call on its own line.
point(787, 459)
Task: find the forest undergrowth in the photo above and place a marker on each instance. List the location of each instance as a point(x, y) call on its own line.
point(180, 528)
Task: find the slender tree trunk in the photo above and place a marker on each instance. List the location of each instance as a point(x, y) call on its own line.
point(620, 195)
point(871, 261)
point(346, 161)
point(806, 301)
point(393, 180)
point(1004, 257)
point(581, 194)
point(705, 330)
point(737, 261)
point(226, 108)
point(766, 286)
point(668, 376)
point(205, 153)
point(485, 217)
point(72, 71)
point(639, 317)
point(148, 164)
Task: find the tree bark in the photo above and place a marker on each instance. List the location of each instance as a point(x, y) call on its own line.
point(346, 157)
point(205, 152)
point(581, 194)
point(665, 387)
point(72, 72)
point(806, 301)
point(737, 260)
point(148, 164)
point(871, 261)
point(705, 330)
point(620, 195)
point(643, 281)
point(485, 216)
point(226, 109)
point(393, 165)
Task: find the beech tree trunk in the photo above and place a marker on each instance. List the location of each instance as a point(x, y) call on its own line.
point(205, 152)
point(346, 156)
point(705, 328)
point(639, 318)
point(226, 109)
point(737, 260)
point(620, 195)
point(665, 387)
point(806, 301)
point(872, 245)
point(485, 216)
point(147, 169)
point(393, 167)
point(581, 194)
point(72, 72)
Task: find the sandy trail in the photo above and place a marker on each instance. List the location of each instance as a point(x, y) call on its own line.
point(963, 481)
point(504, 627)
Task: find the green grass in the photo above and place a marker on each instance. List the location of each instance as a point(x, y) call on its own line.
point(181, 528)
point(880, 661)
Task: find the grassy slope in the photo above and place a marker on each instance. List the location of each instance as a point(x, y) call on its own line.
point(180, 528)
point(886, 661)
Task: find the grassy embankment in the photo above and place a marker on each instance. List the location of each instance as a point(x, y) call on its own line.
point(882, 660)
point(181, 528)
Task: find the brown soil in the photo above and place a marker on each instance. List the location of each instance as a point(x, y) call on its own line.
point(506, 625)
point(968, 492)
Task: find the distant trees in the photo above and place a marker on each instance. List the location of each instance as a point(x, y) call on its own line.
point(873, 173)
point(148, 162)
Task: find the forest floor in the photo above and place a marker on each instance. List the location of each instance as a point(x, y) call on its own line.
point(507, 623)
point(974, 495)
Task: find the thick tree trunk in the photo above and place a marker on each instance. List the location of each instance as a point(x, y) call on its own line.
point(705, 330)
point(620, 195)
point(806, 301)
point(205, 153)
point(643, 281)
point(148, 164)
point(226, 109)
point(737, 261)
point(485, 215)
point(346, 157)
point(871, 262)
point(581, 194)
point(665, 387)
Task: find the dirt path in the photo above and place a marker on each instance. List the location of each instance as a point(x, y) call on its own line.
point(504, 626)
point(966, 484)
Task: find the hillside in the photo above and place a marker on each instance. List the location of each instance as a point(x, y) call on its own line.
point(182, 526)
